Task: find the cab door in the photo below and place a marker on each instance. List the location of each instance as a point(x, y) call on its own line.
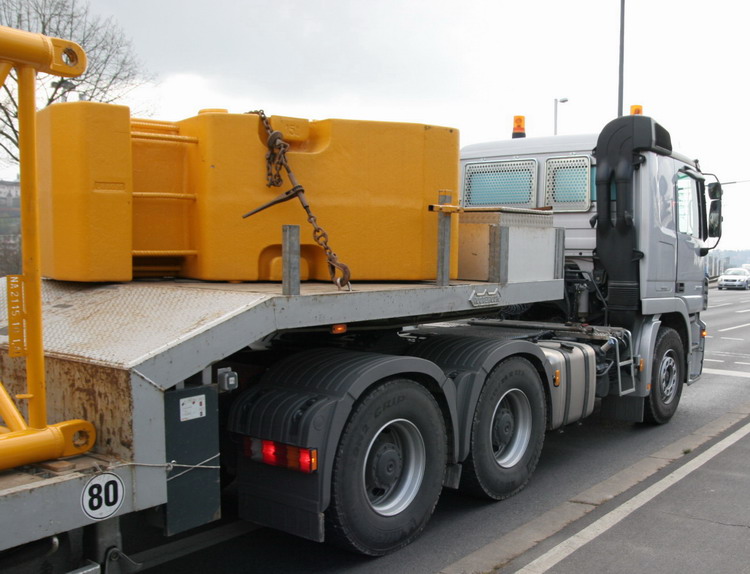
point(690, 280)
point(658, 235)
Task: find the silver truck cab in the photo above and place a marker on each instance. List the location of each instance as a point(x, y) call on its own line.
point(634, 260)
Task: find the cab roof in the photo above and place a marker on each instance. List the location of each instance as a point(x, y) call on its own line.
point(531, 146)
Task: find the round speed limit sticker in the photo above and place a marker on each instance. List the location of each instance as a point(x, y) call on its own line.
point(102, 496)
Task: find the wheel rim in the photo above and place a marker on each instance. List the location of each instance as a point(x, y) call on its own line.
point(510, 431)
point(668, 377)
point(394, 467)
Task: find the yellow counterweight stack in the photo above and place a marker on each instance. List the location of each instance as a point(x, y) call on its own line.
point(127, 198)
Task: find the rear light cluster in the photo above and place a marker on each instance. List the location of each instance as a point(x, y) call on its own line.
point(280, 454)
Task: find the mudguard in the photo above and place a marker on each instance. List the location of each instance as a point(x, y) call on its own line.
point(305, 400)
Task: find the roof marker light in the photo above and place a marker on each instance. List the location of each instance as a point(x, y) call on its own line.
point(519, 127)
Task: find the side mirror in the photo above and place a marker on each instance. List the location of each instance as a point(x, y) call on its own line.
point(714, 190)
point(714, 216)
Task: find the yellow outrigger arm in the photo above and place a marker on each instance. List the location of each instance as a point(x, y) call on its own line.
point(35, 441)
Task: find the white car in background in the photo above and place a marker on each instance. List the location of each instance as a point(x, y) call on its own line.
point(735, 278)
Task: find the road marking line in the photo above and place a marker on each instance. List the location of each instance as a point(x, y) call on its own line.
point(730, 354)
point(743, 311)
point(742, 374)
point(719, 305)
point(733, 328)
point(567, 547)
point(731, 338)
point(740, 363)
point(712, 361)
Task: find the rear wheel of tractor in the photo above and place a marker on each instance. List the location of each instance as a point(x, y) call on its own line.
point(667, 375)
point(388, 471)
point(508, 431)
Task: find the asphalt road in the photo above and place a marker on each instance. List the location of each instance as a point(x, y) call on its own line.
point(572, 461)
point(729, 330)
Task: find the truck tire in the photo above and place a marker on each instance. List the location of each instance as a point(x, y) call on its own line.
point(388, 471)
point(507, 432)
point(667, 375)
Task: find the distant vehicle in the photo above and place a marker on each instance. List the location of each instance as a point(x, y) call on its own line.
point(735, 278)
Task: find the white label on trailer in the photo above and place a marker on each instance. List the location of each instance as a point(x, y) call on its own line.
point(102, 496)
point(192, 408)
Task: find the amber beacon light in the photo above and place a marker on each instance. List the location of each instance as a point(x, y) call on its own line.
point(519, 127)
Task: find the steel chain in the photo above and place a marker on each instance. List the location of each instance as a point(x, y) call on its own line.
point(276, 161)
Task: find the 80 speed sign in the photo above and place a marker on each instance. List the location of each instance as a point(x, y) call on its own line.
point(102, 496)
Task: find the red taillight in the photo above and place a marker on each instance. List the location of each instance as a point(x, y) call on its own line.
point(279, 454)
point(269, 455)
point(308, 460)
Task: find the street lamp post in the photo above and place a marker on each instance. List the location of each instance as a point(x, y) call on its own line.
point(561, 101)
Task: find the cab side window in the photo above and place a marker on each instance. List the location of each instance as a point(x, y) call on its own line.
point(568, 183)
point(688, 220)
point(510, 183)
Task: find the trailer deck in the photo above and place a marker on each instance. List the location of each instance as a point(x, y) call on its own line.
point(112, 350)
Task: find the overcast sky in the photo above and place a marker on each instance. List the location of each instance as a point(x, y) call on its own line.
point(469, 64)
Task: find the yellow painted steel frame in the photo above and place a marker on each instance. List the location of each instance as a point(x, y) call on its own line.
point(22, 443)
